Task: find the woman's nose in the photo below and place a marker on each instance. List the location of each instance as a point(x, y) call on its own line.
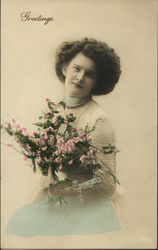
point(80, 76)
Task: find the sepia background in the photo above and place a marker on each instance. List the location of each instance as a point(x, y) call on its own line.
point(28, 77)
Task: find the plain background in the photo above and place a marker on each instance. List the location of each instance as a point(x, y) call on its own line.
point(28, 77)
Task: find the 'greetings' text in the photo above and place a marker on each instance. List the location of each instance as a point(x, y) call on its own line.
point(26, 16)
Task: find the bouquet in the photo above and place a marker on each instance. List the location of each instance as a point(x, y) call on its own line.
point(57, 144)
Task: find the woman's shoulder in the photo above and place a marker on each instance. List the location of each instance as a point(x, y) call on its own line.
point(97, 111)
point(94, 115)
point(102, 121)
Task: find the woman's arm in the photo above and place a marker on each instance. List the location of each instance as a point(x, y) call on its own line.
point(103, 136)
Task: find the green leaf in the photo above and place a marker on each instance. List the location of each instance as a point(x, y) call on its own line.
point(34, 165)
point(86, 128)
point(63, 104)
point(9, 130)
point(50, 107)
point(93, 128)
point(115, 179)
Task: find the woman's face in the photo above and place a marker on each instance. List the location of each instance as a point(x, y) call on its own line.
point(80, 76)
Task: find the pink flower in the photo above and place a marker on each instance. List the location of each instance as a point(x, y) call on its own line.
point(72, 133)
point(25, 158)
point(10, 145)
point(40, 142)
point(38, 123)
point(57, 152)
point(25, 130)
point(61, 147)
point(38, 154)
point(60, 140)
point(47, 99)
point(68, 149)
point(53, 103)
point(87, 136)
point(75, 139)
point(70, 162)
point(51, 140)
point(81, 134)
point(13, 120)
point(60, 166)
point(69, 143)
point(55, 123)
point(39, 162)
point(18, 126)
point(69, 146)
point(44, 136)
point(57, 159)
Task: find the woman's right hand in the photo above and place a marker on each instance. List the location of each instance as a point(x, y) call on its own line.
point(60, 190)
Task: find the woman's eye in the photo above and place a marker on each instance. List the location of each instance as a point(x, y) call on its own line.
point(77, 69)
point(90, 75)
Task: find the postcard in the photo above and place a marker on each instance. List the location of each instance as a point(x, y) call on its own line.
point(95, 181)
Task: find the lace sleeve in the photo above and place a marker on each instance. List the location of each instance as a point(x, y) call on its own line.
point(102, 182)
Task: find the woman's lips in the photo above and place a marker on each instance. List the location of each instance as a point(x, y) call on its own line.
point(77, 85)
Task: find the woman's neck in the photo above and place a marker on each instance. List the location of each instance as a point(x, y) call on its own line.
point(73, 102)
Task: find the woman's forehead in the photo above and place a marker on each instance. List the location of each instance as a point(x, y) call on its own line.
point(83, 61)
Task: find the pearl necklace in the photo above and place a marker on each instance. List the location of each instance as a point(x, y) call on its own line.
point(79, 104)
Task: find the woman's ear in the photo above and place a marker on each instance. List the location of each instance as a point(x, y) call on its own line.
point(64, 70)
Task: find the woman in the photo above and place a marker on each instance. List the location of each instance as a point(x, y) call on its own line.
point(87, 67)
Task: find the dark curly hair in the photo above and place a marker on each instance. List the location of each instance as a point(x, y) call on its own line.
point(105, 58)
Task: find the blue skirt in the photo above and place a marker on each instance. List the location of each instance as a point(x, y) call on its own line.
point(68, 216)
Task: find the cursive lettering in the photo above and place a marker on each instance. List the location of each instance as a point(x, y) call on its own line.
point(26, 16)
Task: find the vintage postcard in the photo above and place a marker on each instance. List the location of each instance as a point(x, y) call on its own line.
point(78, 88)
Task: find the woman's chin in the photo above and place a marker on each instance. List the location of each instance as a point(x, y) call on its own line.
point(74, 94)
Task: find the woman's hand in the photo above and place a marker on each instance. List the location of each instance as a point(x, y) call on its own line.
point(60, 190)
